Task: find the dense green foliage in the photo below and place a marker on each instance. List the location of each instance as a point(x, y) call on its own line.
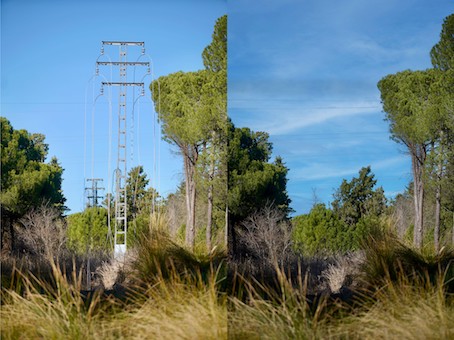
point(320, 230)
point(254, 182)
point(411, 100)
point(26, 180)
point(355, 217)
point(442, 54)
point(215, 55)
point(357, 199)
point(141, 199)
point(88, 231)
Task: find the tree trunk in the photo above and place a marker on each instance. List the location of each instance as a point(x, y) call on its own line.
point(438, 196)
point(190, 159)
point(191, 242)
point(209, 217)
point(437, 218)
point(226, 237)
point(438, 205)
point(210, 193)
point(418, 156)
point(231, 238)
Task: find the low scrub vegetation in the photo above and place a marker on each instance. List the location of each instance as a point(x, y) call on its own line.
point(169, 293)
point(163, 290)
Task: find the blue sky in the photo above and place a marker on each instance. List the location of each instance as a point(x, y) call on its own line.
point(303, 70)
point(306, 72)
point(48, 54)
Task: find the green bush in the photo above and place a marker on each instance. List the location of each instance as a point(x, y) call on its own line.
point(88, 229)
point(321, 231)
point(137, 228)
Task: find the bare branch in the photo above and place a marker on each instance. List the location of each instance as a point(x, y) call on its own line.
point(44, 232)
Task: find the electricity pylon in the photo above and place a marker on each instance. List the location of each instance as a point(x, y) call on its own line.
point(123, 83)
point(93, 197)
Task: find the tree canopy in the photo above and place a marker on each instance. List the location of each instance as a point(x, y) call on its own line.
point(357, 208)
point(357, 198)
point(411, 102)
point(215, 54)
point(442, 53)
point(254, 182)
point(140, 198)
point(26, 180)
point(192, 108)
point(88, 230)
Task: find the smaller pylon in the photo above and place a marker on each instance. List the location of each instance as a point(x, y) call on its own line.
point(92, 202)
point(93, 197)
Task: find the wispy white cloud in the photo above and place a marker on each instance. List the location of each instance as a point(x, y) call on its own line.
point(326, 170)
point(320, 171)
point(303, 118)
point(285, 120)
point(371, 50)
point(387, 163)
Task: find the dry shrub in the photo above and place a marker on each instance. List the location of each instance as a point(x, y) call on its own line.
point(44, 232)
point(116, 270)
point(108, 273)
point(267, 236)
point(336, 276)
point(344, 272)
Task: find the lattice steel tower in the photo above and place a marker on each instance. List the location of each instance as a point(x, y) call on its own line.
point(123, 83)
point(93, 191)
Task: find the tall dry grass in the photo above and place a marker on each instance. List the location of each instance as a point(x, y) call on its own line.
point(263, 312)
point(170, 309)
point(402, 310)
point(176, 308)
point(180, 299)
point(403, 294)
point(49, 309)
point(180, 295)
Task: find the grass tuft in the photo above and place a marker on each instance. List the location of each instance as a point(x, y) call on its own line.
point(402, 310)
point(389, 260)
point(54, 310)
